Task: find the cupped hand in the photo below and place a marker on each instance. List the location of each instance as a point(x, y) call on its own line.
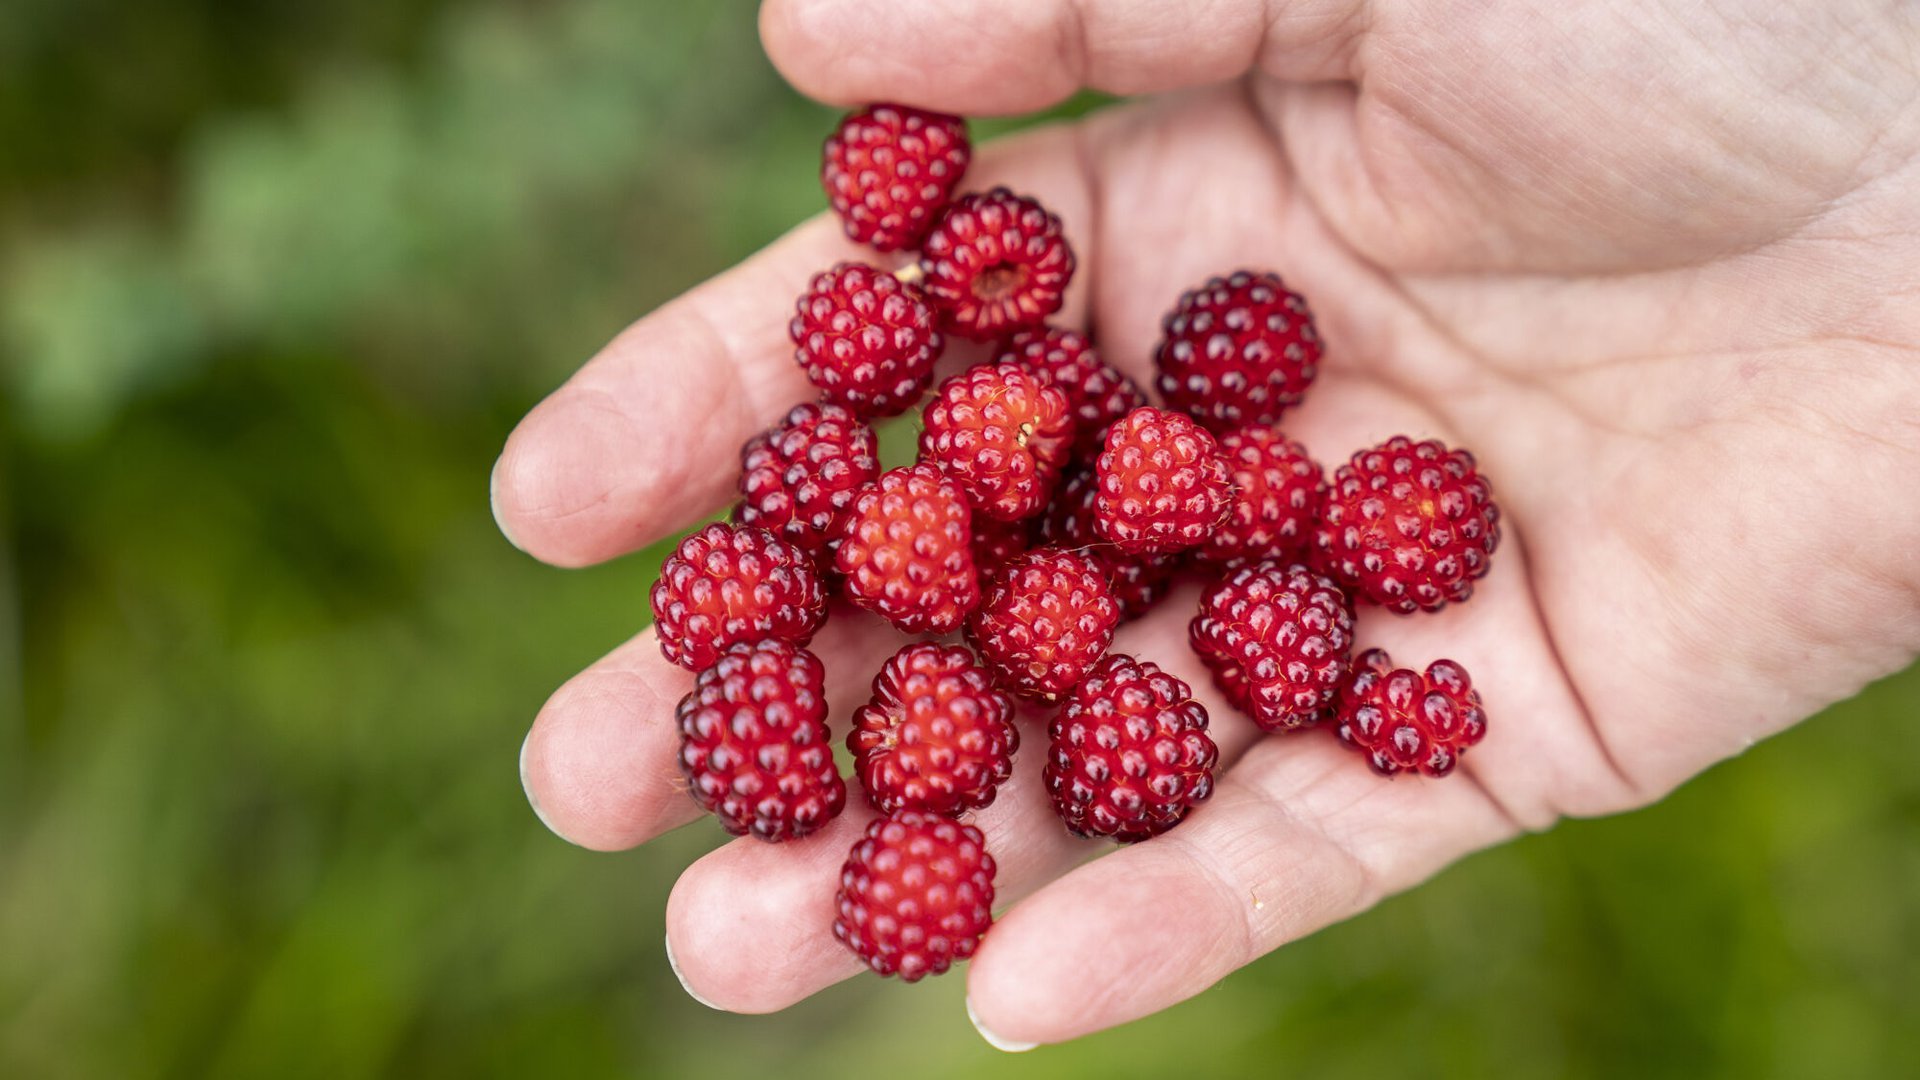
point(1653, 263)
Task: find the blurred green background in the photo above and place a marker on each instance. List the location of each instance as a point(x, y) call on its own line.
point(275, 282)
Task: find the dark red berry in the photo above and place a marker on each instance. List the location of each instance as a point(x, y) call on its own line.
point(867, 340)
point(1138, 581)
point(1163, 485)
point(1043, 620)
point(1129, 753)
point(727, 584)
point(937, 735)
point(1407, 721)
point(995, 263)
point(906, 550)
point(996, 541)
point(1237, 350)
point(1277, 639)
point(1002, 433)
point(888, 169)
point(754, 742)
point(797, 478)
point(1277, 490)
point(1408, 525)
point(916, 894)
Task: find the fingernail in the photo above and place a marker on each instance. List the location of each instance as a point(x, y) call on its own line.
point(1010, 1046)
point(527, 789)
point(493, 503)
point(683, 979)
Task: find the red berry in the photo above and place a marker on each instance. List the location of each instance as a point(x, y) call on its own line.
point(867, 339)
point(937, 736)
point(1045, 618)
point(797, 478)
point(754, 742)
point(996, 541)
point(1403, 720)
point(906, 550)
point(1237, 350)
point(888, 169)
point(1409, 526)
point(1277, 639)
point(1130, 754)
point(1097, 393)
point(1163, 485)
point(727, 584)
point(1277, 490)
point(995, 263)
point(1138, 581)
point(1003, 434)
point(916, 894)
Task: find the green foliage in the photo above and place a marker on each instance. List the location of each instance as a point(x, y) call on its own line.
point(265, 664)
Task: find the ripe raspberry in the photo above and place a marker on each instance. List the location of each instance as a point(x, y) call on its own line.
point(1096, 392)
point(797, 477)
point(754, 742)
point(1277, 639)
point(1277, 490)
point(996, 541)
point(1003, 434)
point(728, 584)
point(937, 736)
point(1045, 618)
point(1405, 721)
point(1409, 526)
point(916, 894)
point(1163, 485)
point(1237, 350)
point(867, 339)
point(906, 550)
point(1138, 581)
point(888, 169)
point(995, 263)
point(1130, 754)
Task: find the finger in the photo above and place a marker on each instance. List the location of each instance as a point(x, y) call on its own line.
point(763, 948)
point(646, 438)
point(600, 766)
point(1009, 56)
point(1296, 838)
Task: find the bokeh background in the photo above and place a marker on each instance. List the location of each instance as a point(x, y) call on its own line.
point(275, 282)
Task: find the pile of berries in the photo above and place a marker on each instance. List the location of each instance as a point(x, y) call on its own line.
point(1050, 501)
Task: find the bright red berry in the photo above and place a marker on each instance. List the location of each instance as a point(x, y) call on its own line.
point(1277, 490)
point(906, 550)
point(754, 742)
point(1404, 720)
point(996, 541)
point(1163, 485)
point(937, 735)
point(1097, 393)
point(797, 477)
point(1130, 754)
point(888, 169)
point(916, 894)
point(1044, 619)
point(867, 339)
point(1138, 581)
point(995, 263)
point(1408, 525)
point(1277, 639)
point(1237, 350)
point(1002, 433)
point(728, 584)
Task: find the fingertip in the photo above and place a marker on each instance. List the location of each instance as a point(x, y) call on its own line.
point(594, 765)
point(551, 484)
point(998, 1042)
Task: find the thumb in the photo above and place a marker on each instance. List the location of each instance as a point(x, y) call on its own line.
point(1011, 56)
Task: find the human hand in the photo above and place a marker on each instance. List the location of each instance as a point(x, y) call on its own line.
point(1653, 264)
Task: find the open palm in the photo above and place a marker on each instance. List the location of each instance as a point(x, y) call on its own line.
point(1653, 266)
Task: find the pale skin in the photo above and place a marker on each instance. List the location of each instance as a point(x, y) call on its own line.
point(1655, 263)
